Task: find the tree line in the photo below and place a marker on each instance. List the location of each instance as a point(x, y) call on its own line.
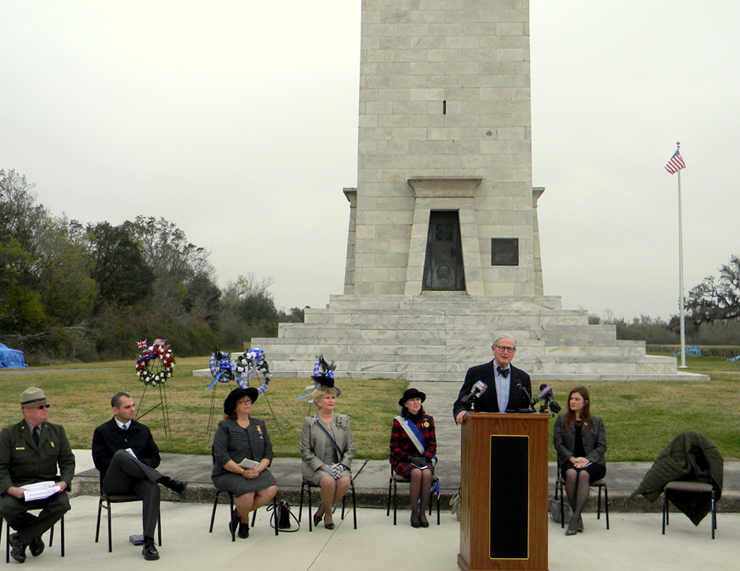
point(712, 314)
point(73, 291)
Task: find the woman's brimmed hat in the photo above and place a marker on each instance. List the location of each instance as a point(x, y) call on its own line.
point(323, 375)
point(411, 394)
point(235, 395)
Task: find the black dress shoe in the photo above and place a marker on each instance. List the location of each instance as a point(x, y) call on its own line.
point(241, 529)
point(36, 547)
point(177, 486)
point(150, 552)
point(18, 551)
point(415, 521)
point(423, 519)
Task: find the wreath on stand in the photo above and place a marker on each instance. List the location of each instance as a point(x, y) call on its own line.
point(222, 368)
point(155, 365)
point(251, 362)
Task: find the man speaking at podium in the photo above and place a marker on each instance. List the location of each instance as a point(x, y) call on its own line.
point(496, 386)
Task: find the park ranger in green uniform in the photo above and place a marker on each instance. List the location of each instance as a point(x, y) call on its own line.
point(30, 452)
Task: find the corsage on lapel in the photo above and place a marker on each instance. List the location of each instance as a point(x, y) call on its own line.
point(259, 431)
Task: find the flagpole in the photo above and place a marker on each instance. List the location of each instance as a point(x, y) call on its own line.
point(680, 272)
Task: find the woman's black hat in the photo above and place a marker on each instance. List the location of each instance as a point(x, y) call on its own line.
point(411, 394)
point(235, 395)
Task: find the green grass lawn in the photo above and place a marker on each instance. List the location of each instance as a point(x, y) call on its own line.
point(640, 417)
point(80, 397)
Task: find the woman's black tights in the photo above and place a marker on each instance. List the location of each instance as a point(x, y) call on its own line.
point(421, 481)
point(577, 487)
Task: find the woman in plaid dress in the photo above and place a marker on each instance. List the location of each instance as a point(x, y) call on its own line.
point(410, 462)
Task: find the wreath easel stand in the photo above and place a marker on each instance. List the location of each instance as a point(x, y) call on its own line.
point(153, 369)
point(246, 366)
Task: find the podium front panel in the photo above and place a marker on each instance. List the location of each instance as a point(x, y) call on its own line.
point(504, 492)
point(509, 503)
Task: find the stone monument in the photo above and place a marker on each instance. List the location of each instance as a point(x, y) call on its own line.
point(443, 248)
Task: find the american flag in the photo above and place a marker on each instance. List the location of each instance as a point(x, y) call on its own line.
point(675, 164)
point(141, 344)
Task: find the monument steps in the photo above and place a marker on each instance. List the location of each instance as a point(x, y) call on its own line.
point(437, 338)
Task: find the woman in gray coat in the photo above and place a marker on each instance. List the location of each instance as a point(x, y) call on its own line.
point(580, 441)
point(325, 463)
point(240, 437)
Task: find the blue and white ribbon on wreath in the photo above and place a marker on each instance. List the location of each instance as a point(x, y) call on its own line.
point(222, 369)
point(251, 362)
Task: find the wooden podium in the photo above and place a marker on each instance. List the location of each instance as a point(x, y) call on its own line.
point(504, 492)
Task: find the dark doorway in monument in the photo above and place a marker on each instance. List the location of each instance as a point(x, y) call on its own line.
point(443, 264)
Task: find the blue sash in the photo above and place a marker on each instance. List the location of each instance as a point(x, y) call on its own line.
point(413, 433)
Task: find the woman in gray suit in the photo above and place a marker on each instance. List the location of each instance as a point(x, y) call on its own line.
point(327, 451)
point(240, 437)
point(580, 441)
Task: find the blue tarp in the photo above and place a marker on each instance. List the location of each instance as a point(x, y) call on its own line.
point(11, 357)
point(691, 351)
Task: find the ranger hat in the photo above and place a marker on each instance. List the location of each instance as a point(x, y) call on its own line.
point(32, 396)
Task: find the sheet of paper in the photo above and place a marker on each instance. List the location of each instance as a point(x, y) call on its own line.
point(247, 463)
point(39, 491)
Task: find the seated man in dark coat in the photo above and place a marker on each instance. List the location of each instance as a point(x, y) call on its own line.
point(507, 388)
point(30, 453)
point(125, 454)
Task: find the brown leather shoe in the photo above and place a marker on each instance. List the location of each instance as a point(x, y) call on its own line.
point(18, 551)
point(36, 547)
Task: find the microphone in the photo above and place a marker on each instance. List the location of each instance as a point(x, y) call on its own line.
point(529, 397)
point(546, 394)
point(478, 389)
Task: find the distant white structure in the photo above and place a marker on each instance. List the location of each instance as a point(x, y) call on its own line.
point(443, 248)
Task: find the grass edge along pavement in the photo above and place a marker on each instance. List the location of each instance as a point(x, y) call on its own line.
point(640, 417)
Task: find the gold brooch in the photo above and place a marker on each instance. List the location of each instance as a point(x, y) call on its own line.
point(426, 425)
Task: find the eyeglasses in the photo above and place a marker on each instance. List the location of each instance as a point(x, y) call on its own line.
point(244, 401)
point(506, 349)
point(41, 406)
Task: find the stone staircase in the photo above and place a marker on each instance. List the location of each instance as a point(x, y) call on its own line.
point(438, 337)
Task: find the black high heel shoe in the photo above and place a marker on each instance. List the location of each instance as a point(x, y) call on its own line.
point(317, 516)
point(328, 525)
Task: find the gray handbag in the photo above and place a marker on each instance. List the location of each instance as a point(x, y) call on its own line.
point(553, 508)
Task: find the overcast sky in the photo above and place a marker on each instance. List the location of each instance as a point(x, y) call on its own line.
point(237, 121)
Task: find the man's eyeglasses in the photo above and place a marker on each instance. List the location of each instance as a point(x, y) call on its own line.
point(506, 349)
point(41, 406)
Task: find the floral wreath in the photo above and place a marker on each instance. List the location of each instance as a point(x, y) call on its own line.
point(322, 369)
point(251, 362)
point(145, 364)
point(222, 368)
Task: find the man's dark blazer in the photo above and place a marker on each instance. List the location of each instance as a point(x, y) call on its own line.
point(488, 401)
point(109, 439)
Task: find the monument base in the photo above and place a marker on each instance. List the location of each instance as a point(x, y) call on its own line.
point(437, 338)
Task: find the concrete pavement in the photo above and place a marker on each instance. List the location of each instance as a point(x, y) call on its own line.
point(634, 541)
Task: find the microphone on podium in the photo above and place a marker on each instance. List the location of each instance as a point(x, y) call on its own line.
point(478, 389)
point(546, 394)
